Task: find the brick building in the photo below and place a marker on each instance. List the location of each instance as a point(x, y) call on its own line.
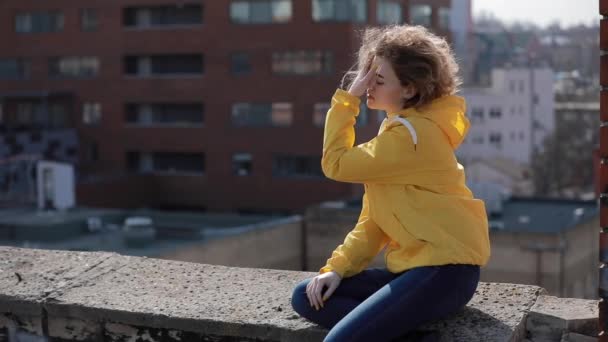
point(215, 105)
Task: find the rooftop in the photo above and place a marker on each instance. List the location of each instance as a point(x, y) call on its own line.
point(88, 229)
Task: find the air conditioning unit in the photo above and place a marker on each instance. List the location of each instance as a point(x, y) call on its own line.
point(55, 185)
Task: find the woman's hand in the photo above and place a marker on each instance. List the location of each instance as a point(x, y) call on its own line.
point(315, 286)
point(363, 80)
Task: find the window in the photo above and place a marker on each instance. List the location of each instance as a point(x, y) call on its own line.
point(37, 22)
point(521, 136)
point(320, 112)
point(444, 18)
point(58, 115)
point(88, 19)
point(166, 162)
point(496, 139)
point(339, 10)
point(37, 114)
point(260, 11)
point(262, 114)
point(157, 65)
point(478, 139)
point(240, 63)
point(91, 113)
point(389, 12)
point(165, 114)
point(512, 86)
point(521, 86)
point(166, 15)
point(297, 166)
point(92, 152)
point(421, 15)
point(73, 67)
point(14, 69)
point(495, 112)
point(241, 164)
point(302, 62)
point(477, 114)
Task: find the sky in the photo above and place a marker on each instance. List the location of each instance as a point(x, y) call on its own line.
point(541, 12)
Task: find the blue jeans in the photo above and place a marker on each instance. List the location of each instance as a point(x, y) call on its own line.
point(377, 305)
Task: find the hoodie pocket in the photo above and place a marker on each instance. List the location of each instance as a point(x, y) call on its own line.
point(408, 232)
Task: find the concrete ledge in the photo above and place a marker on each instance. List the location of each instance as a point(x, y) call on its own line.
point(90, 296)
point(551, 318)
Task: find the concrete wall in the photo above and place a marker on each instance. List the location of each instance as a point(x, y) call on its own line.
point(83, 296)
point(277, 247)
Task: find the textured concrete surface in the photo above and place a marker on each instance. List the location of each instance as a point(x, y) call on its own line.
point(551, 317)
point(80, 295)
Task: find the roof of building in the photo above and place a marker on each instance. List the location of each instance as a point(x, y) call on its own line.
point(505, 166)
point(583, 106)
point(102, 229)
point(535, 215)
point(542, 215)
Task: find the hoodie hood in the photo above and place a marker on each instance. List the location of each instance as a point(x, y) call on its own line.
point(447, 112)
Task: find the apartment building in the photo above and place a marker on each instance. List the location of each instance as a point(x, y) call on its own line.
point(208, 105)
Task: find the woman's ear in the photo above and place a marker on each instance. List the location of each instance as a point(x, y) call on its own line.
point(407, 92)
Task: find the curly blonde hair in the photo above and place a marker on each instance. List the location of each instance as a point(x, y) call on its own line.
point(419, 58)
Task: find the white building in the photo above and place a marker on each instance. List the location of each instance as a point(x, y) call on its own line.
point(506, 173)
point(502, 116)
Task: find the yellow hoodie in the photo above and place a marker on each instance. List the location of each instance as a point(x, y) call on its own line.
point(415, 200)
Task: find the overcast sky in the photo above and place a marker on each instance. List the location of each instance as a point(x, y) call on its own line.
point(541, 12)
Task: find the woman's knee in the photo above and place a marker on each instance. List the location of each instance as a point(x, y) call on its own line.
point(299, 300)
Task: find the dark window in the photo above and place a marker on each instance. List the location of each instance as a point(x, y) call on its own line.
point(339, 10)
point(240, 63)
point(242, 164)
point(36, 22)
point(477, 114)
point(389, 12)
point(164, 65)
point(166, 162)
point(421, 15)
point(278, 114)
point(495, 112)
point(260, 11)
point(37, 114)
point(302, 62)
point(92, 152)
point(141, 17)
point(495, 138)
point(14, 69)
point(164, 113)
point(297, 166)
point(88, 19)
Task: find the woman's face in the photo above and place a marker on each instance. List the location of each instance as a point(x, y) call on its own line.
point(385, 92)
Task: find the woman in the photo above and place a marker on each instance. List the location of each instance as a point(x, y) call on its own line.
point(416, 203)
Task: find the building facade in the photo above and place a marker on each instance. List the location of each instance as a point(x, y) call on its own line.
point(212, 105)
point(510, 118)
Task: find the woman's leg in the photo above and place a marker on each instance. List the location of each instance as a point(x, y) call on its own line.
point(415, 297)
point(350, 293)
